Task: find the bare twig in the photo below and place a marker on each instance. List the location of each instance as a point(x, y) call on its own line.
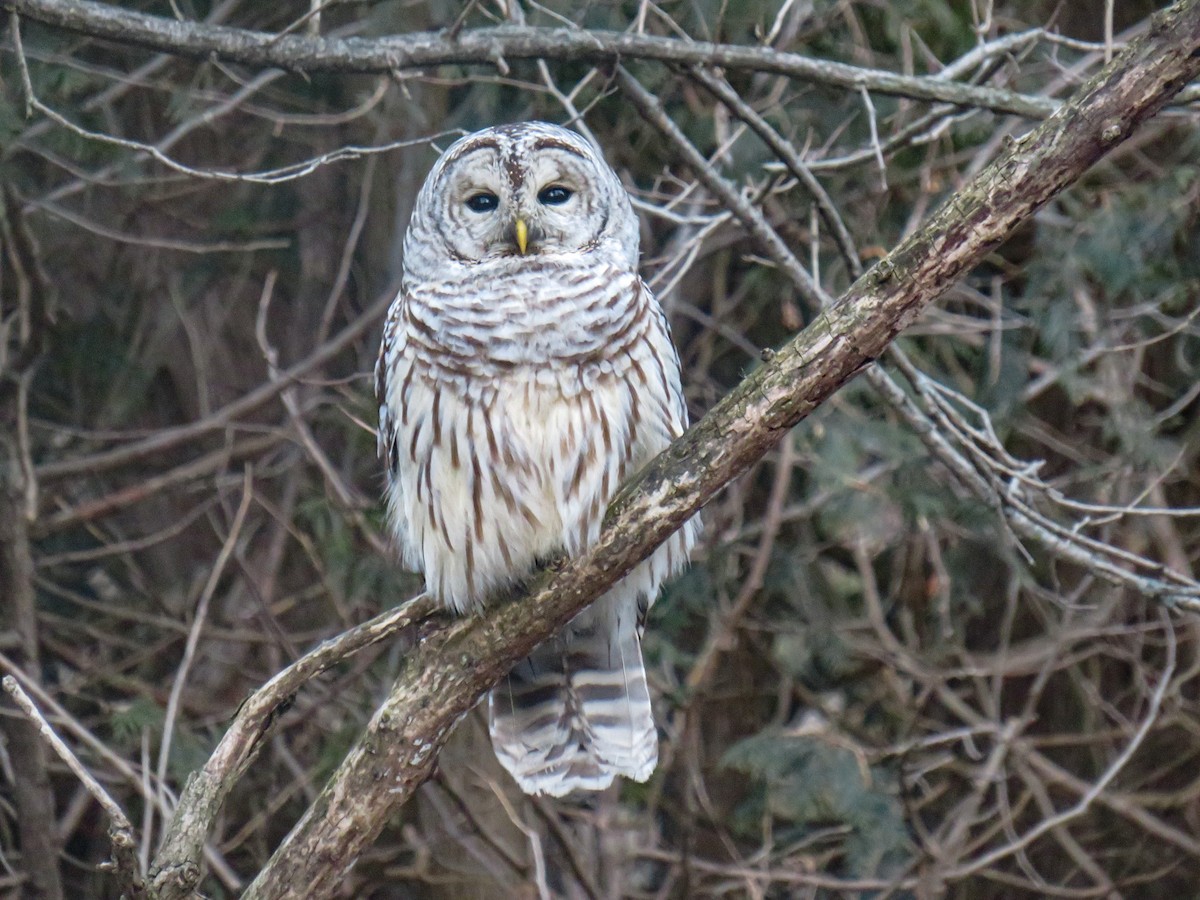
point(933, 423)
point(22, 331)
point(198, 621)
point(120, 832)
point(221, 418)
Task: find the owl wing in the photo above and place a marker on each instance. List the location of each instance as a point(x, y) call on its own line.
point(656, 379)
point(392, 368)
point(385, 436)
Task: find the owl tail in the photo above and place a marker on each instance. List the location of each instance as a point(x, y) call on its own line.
point(576, 713)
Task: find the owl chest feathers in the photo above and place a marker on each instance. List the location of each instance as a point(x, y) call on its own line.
point(545, 317)
point(513, 419)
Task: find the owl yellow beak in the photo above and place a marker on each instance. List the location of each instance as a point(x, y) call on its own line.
point(521, 231)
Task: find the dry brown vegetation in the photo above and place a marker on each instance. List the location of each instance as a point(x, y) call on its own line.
point(940, 642)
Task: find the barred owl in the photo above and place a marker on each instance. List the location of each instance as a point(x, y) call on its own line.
point(525, 372)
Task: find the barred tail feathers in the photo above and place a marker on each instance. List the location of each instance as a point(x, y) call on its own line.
point(577, 713)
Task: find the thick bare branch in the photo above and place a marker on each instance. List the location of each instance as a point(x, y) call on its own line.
point(492, 46)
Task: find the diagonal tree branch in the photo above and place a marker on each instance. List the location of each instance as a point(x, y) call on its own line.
point(449, 670)
point(176, 865)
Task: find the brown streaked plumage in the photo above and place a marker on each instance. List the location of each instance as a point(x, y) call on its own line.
point(525, 372)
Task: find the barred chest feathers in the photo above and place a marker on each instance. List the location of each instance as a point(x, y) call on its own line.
point(523, 414)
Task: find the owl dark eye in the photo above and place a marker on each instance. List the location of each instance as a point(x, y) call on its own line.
point(482, 202)
point(555, 195)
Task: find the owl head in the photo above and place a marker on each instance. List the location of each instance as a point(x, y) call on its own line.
point(512, 192)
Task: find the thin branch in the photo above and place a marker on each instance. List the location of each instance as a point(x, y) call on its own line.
point(198, 620)
point(1098, 787)
point(977, 470)
point(120, 832)
point(138, 782)
point(223, 417)
point(23, 326)
point(649, 107)
point(174, 870)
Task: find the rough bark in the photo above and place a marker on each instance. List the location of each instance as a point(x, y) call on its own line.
point(450, 669)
